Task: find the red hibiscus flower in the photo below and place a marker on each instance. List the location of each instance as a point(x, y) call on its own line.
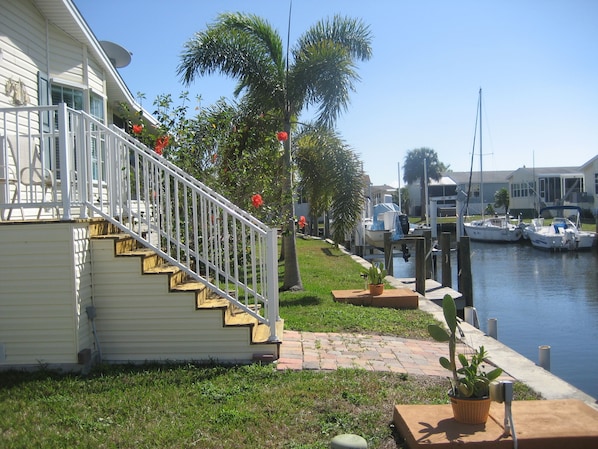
point(161, 143)
point(302, 222)
point(282, 136)
point(137, 129)
point(256, 200)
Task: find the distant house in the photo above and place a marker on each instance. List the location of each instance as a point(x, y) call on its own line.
point(532, 189)
point(529, 189)
point(486, 185)
point(444, 191)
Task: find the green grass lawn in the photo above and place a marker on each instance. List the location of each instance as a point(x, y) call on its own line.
point(325, 268)
point(185, 405)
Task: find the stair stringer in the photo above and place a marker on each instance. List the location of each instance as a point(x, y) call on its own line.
point(147, 311)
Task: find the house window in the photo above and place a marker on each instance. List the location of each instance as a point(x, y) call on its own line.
point(98, 142)
point(573, 185)
point(550, 189)
point(531, 188)
point(74, 99)
point(517, 191)
point(596, 183)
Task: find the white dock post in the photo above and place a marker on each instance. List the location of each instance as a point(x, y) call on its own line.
point(544, 356)
point(493, 328)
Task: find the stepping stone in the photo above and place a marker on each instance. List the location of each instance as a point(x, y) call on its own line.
point(348, 441)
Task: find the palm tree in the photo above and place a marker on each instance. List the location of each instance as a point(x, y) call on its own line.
point(413, 170)
point(501, 199)
point(321, 73)
point(331, 178)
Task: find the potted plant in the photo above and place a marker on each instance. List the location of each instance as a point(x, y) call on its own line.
point(376, 274)
point(470, 383)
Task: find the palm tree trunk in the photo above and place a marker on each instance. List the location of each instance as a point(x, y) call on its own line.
point(292, 277)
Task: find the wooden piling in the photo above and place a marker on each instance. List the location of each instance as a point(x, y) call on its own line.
point(388, 262)
point(428, 254)
point(464, 274)
point(445, 247)
point(420, 265)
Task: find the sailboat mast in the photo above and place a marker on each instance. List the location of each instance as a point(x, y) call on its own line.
point(481, 168)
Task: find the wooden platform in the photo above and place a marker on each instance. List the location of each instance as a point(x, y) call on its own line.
point(554, 424)
point(395, 298)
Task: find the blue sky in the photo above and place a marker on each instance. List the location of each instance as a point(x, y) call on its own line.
point(535, 60)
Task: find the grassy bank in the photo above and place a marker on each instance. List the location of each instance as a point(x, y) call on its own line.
point(244, 407)
point(325, 268)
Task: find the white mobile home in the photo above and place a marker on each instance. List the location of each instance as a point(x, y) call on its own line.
point(109, 252)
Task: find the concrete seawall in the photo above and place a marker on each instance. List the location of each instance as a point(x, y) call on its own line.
point(514, 364)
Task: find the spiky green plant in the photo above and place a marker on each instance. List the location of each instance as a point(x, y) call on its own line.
point(470, 380)
point(376, 273)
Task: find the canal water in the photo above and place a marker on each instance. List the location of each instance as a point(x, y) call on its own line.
point(538, 298)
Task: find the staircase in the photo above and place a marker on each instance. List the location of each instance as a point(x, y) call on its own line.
point(164, 267)
point(149, 309)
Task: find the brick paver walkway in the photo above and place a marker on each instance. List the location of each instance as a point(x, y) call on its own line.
point(329, 351)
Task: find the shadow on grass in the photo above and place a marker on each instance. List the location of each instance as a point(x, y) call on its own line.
point(306, 300)
point(200, 370)
point(329, 252)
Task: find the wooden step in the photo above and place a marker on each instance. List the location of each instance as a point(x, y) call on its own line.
point(179, 282)
point(175, 275)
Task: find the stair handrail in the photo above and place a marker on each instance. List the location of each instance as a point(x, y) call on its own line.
point(188, 224)
point(209, 191)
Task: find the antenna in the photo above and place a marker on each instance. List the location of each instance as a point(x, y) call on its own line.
point(119, 56)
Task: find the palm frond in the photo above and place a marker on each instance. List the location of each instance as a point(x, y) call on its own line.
point(352, 34)
point(244, 47)
point(324, 69)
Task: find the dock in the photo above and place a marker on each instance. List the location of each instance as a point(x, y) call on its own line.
point(435, 291)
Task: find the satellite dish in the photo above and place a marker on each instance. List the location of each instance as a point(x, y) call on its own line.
point(119, 56)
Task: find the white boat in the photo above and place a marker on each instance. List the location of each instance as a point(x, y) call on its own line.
point(494, 229)
point(387, 217)
point(563, 233)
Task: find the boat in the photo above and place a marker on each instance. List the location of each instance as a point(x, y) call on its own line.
point(387, 217)
point(563, 233)
point(493, 229)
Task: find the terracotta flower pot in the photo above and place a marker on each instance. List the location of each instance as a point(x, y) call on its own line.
point(376, 289)
point(470, 410)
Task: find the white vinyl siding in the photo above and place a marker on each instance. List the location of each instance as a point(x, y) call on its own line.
point(22, 40)
point(82, 286)
point(51, 272)
point(96, 77)
point(139, 319)
point(66, 57)
point(39, 300)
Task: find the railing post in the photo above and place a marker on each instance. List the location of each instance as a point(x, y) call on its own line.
point(272, 264)
point(83, 174)
point(65, 165)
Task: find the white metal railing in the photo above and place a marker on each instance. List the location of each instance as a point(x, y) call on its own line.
point(56, 162)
